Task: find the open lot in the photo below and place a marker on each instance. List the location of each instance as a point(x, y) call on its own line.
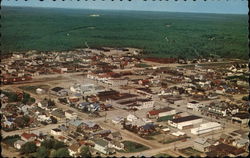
point(130, 146)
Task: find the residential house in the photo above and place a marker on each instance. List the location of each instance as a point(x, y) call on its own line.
point(116, 136)
point(223, 150)
point(56, 132)
point(74, 149)
point(59, 91)
point(69, 114)
point(18, 144)
point(242, 118)
point(27, 137)
point(117, 119)
point(58, 114)
point(201, 144)
point(241, 143)
point(116, 145)
point(102, 146)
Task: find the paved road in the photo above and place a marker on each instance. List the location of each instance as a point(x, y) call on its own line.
point(44, 129)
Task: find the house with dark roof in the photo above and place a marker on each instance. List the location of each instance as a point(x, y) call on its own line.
point(242, 118)
point(223, 150)
point(59, 91)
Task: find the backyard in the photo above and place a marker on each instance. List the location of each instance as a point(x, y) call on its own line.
point(32, 89)
point(190, 152)
point(130, 146)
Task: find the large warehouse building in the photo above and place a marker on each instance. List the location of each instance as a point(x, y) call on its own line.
point(185, 122)
point(206, 127)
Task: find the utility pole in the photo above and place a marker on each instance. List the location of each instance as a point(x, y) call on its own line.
point(105, 117)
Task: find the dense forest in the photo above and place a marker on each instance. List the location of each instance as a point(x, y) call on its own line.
point(159, 34)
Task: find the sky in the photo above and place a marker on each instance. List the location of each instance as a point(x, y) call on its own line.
point(198, 6)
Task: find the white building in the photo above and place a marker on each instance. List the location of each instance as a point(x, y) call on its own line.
point(44, 118)
point(69, 114)
point(206, 127)
point(161, 112)
point(194, 105)
point(145, 103)
point(18, 144)
point(185, 122)
point(117, 82)
point(102, 146)
point(40, 91)
point(131, 118)
point(56, 132)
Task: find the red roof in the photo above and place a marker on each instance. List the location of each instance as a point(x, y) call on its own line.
point(156, 112)
point(28, 135)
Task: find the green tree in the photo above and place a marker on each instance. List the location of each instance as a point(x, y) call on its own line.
point(48, 143)
point(12, 97)
point(85, 152)
point(29, 147)
point(26, 119)
point(58, 145)
point(62, 152)
point(26, 98)
point(42, 152)
point(53, 119)
point(245, 98)
point(51, 102)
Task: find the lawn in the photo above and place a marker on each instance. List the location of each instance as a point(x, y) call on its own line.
point(172, 139)
point(162, 155)
point(190, 152)
point(32, 89)
point(10, 140)
point(130, 147)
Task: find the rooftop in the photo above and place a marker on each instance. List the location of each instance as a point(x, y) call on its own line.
point(186, 118)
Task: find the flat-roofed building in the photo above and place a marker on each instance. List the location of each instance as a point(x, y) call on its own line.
point(161, 112)
point(185, 122)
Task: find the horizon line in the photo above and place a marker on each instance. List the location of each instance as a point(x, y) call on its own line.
point(121, 10)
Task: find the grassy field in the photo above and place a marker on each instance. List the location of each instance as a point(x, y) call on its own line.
point(10, 140)
point(32, 89)
point(133, 147)
point(161, 155)
point(191, 152)
point(160, 34)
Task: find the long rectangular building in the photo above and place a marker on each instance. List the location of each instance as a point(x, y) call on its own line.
point(206, 127)
point(185, 122)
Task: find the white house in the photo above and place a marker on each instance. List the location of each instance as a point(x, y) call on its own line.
point(117, 119)
point(18, 144)
point(40, 91)
point(117, 82)
point(241, 143)
point(102, 146)
point(44, 118)
point(194, 105)
point(145, 103)
point(242, 118)
point(56, 132)
point(131, 118)
point(69, 114)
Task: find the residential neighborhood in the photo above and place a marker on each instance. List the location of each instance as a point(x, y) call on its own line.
point(111, 102)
